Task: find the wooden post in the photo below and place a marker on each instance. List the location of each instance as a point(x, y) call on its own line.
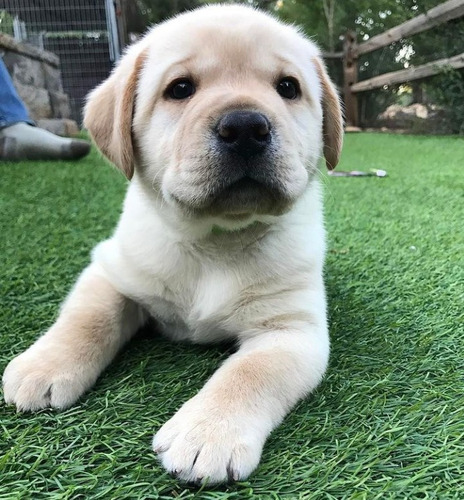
point(120, 10)
point(350, 76)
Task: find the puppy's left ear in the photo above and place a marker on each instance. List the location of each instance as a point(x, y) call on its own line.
point(110, 109)
point(332, 117)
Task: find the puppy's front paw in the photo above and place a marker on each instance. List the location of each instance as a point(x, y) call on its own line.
point(201, 444)
point(40, 378)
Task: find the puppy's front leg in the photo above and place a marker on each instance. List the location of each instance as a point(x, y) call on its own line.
point(94, 322)
point(219, 434)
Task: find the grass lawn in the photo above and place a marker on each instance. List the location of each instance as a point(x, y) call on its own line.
point(388, 420)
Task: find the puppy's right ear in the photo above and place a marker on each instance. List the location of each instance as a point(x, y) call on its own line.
point(110, 109)
point(332, 117)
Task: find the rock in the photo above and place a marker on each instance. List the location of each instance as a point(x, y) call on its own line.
point(415, 118)
point(53, 81)
point(403, 114)
point(24, 70)
point(8, 43)
point(60, 105)
point(37, 100)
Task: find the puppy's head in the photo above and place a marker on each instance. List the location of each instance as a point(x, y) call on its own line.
point(223, 112)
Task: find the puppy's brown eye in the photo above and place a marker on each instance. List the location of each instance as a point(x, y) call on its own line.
point(181, 89)
point(288, 88)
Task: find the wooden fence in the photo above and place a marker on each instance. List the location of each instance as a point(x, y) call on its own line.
point(452, 9)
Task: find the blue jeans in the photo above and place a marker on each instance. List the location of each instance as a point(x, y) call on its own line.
point(12, 109)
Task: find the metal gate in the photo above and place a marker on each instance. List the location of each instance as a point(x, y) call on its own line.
point(83, 33)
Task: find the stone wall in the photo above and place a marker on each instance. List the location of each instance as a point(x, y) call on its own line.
point(37, 79)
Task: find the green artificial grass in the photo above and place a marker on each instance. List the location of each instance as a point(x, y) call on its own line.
point(388, 420)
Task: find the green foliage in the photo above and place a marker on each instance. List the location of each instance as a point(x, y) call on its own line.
point(6, 23)
point(362, 16)
point(155, 11)
point(447, 90)
point(367, 19)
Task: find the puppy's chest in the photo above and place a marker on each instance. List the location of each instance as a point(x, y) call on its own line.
point(192, 297)
point(197, 308)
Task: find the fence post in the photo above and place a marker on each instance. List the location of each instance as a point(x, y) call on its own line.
point(350, 76)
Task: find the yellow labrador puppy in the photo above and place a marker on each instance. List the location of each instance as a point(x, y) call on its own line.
point(219, 118)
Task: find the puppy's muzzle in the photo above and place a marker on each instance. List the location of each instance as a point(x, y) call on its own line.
point(247, 174)
point(243, 133)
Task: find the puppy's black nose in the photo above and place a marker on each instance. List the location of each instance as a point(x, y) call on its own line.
point(246, 133)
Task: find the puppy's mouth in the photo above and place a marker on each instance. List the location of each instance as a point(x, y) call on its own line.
point(239, 199)
point(249, 195)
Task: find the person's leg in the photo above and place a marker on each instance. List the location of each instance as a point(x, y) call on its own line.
point(12, 109)
point(20, 139)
